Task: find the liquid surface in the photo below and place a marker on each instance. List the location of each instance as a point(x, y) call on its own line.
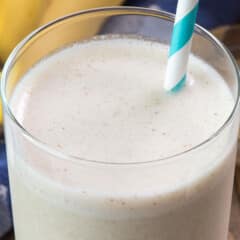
point(103, 100)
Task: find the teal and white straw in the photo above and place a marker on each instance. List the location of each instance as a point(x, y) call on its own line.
point(180, 45)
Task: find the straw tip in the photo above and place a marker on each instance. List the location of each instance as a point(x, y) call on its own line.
point(177, 87)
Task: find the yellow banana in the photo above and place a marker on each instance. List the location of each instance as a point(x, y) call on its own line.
point(57, 8)
point(20, 17)
point(17, 19)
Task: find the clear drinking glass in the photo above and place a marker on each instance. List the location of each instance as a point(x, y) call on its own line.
point(50, 199)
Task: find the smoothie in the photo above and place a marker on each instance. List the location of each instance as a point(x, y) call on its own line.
point(102, 166)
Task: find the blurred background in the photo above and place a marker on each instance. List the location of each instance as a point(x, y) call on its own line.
point(19, 17)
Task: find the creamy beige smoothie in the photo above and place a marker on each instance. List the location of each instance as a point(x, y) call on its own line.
point(102, 169)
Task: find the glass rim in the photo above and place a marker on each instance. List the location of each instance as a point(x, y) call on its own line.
point(121, 10)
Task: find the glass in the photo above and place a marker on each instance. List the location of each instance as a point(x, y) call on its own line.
point(45, 207)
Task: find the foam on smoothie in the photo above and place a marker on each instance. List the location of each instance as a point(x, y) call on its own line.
point(103, 100)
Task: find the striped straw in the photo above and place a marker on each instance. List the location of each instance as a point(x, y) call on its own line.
point(180, 45)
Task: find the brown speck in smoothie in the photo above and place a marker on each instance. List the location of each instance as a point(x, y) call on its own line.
point(115, 114)
point(59, 145)
point(187, 146)
point(105, 124)
point(29, 92)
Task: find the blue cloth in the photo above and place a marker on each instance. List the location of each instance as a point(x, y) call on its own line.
point(212, 13)
point(5, 213)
